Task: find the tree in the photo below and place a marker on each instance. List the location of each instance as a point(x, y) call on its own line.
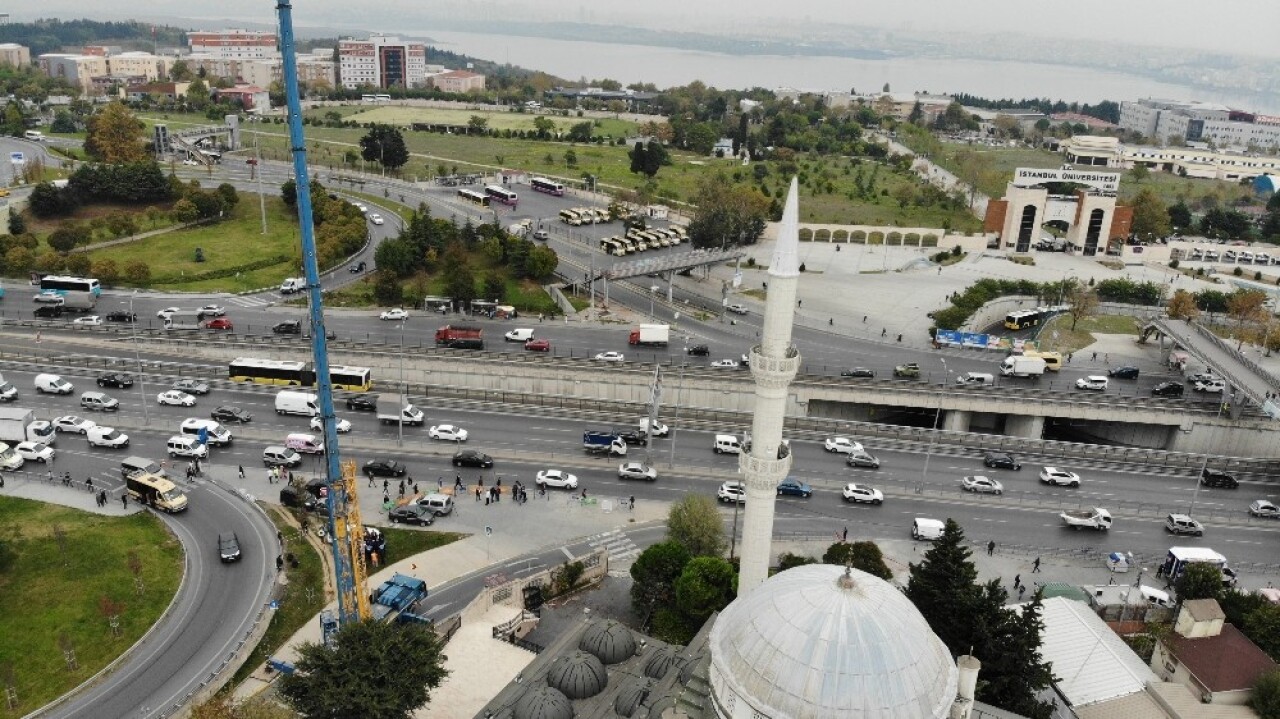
point(1016, 664)
point(728, 214)
point(459, 280)
point(917, 114)
point(106, 271)
point(788, 560)
point(1262, 626)
point(184, 211)
point(655, 156)
point(706, 585)
point(863, 556)
point(1198, 581)
point(637, 158)
point(180, 71)
point(1180, 216)
point(396, 256)
point(379, 670)
point(701, 138)
point(384, 144)
point(115, 136)
point(544, 126)
point(1266, 695)
point(477, 123)
point(654, 575)
point(1150, 217)
point(17, 225)
point(1218, 223)
point(540, 263)
point(19, 259)
point(289, 193)
point(387, 289)
point(79, 264)
point(695, 523)
point(1082, 301)
point(230, 197)
point(137, 272)
point(495, 288)
point(198, 95)
point(63, 121)
point(1182, 306)
point(1139, 173)
point(62, 239)
point(580, 132)
point(570, 158)
point(1245, 307)
point(942, 586)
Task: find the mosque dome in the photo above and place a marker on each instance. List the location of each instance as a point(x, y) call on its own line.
point(610, 641)
point(824, 642)
point(577, 675)
point(543, 702)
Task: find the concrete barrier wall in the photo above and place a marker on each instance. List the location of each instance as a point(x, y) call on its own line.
point(995, 310)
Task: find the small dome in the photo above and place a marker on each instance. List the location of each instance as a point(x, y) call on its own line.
point(577, 675)
point(541, 702)
point(812, 642)
point(624, 705)
point(609, 641)
point(659, 661)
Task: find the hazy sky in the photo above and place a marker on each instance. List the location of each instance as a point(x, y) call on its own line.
point(1230, 26)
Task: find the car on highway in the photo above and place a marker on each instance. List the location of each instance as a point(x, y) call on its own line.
point(230, 413)
point(698, 351)
point(556, 478)
point(211, 311)
point(1125, 372)
point(1218, 479)
point(362, 403)
point(89, 321)
point(115, 380)
point(732, 492)
point(791, 487)
point(395, 314)
point(412, 513)
point(49, 297)
point(737, 309)
point(448, 433)
point(1001, 460)
point(48, 311)
point(654, 428)
point(375, 218)
point(910, 369)
point(176, 398)
point(863, 459)
point(364, 209)
point(859, 373)
point(1168, 389)
point(280, 456)
point(167, 312)
point(637, 470)
point(342, 425)
point(981, 484)
point(1216, 386)
point(99, 402)
point(1260, 508)
point(472, 458)
point(611, 357)
point(35, 452)
point(1059, 477)
point(122, 316)
point(288, 327)
point(842, 444)
point(726, 364)
point(1094, 382)
point(1183, 524)
point(538, 345)
point(190, 386)
point(73, 424)
point(1202, 377)
point(106, 437)
point(228, 547)
point(384, 468)
point(861, 493)
point(219, 323)
point(541, 234)
point(635, 437)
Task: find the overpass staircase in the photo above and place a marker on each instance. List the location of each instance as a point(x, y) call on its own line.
point(1246, 379)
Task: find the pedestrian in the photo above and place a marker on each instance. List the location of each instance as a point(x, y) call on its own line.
point(991, 547)
point(477, 494)
point(290, 477)
point(1106, 358)
point(1094, 358)
point(241, 468)
point(88, 483)
point(197, 463)
point(799, 304)
point(899, 338)
point(280, 537)
point(939, 269)
point(1017, 581)
point(386, 486)
point(457, 485)
point(844, 535)
point(402, 489)
point(415, 488)
point(631, 503)
point(457, 480)
point(1023, 590)
point(440, 483)
point(1035, 566)
point(883, 332)
point(370, 478)
point(1069, 356)
point(584, 492)
point(124, 501)
point(279, 562)
point(386, 499)
point(270, 470)
point(488, 497)
point(830, 321)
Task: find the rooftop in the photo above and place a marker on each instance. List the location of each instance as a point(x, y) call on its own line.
point(1224, 663)
point(1092, 663)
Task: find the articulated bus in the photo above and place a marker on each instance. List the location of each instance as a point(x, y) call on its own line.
point(1023, 319)
point(62, 285)
point(297, 374)
point(551, 187)
point(501, 194)
point(476, 198)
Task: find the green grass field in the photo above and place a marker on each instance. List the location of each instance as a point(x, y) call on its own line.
point(54, 589)
point(406, 116)
point(1069, 340)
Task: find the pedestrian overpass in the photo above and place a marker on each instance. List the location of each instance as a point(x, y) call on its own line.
point(1245, 378)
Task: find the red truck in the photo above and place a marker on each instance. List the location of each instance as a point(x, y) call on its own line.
point(467, 337)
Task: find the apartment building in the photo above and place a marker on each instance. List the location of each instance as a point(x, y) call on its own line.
point(78, 70)
point(313, 70)
point(381, 61)
point(458, 81)
point(11, 53)
point(1171, 120)
point(235, 44)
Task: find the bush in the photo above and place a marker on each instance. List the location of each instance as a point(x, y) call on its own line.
point(138, 273)
point(1238, 271)
point(1257, 275)
point(1173, 264)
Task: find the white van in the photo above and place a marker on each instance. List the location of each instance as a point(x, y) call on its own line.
point(926, 529)
point(99, 436)
point(727, 444)
point(292, 285)
point(304, 443)
point(217, 435)
point(53, 384)
point(34, 135)
point(980, 379)
point(519, 335)
point(277, 456)
point(303, 403)
point(184, 445)
point(441, 504)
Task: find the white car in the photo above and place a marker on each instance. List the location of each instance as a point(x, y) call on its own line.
point(1059, 477)
point(91, 321)
point(212, 311)
point(737, 309)
point(107, 437)
point(1259, 508)
point(726, 363)
point(862, 493)
point(844, 445)
point(73, 424)
point(732, 492)
point(657, 429)
point(375, 219)
point(342, 426)
point(611, 357)
point(1093, 381)
point(176, 398)
point(364, 209)
point(447, 432)
point(49, 297)
point(556, 478)
point(979, 483)
point(167, 312)
point(1214, 385)
point(396, 314)
point(637, 470)
point(35, 452)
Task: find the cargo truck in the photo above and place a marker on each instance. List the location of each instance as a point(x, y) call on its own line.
point(184, 320)
point(1015, 366)
point(395, 408)
point(1094, 518)
point(604, 442)
point(394, 599)
point(20, 425)
point(467, 337)
point(650, 335)
point(1176, 561)
point(79, 302)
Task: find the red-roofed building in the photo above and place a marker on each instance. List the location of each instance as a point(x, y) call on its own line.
point(252, 96)
point(458, 81)
point(1210, 657)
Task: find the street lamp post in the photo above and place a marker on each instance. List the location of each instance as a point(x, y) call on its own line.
point(404, 394)
point(137, 354)
point(933, 436)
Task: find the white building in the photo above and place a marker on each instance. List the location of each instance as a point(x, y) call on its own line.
point(1099, 151)
point(1170, 120)
point(14, 54)
point(235, 44)
point(381, 61)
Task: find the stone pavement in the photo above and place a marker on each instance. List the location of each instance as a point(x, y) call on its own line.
point(37, 485)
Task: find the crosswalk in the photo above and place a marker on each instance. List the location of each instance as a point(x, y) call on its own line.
point(622, 551)
point(252, 300)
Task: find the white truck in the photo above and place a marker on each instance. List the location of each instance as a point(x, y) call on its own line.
point(396, 408)
point(293, 285)
point(1020, 366)
point(16, 426)
point(79, 302)
point(650, 335)
point(184, 320)
point(1176, 561)
point(1093, 518)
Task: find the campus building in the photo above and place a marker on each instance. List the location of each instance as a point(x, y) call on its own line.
point(1173, 121)
point(235, 44)
point(381, 61)
point(11, 53)
point(458, 81)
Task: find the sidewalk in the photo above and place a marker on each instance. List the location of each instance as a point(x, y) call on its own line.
point(36, 485)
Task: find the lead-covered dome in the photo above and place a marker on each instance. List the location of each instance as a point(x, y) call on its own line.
point(543, 702)
point(577, 675)
point(815, 643)
point(610, 641)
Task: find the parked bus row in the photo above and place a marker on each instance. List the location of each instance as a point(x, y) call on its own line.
point(641, 240)
point(577, 216)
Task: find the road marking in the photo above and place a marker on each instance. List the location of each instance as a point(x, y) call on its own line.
point(567, 553)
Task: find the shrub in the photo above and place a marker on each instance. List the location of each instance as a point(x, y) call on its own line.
point(1238, 271)
point(1173, 264)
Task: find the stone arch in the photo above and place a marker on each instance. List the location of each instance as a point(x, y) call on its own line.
point(911, 239)
point(806, 234)
point(822, 235)
point(840, 236)
point(893, 239)
point(876, 237)
point(858, 237)
point(929, 240)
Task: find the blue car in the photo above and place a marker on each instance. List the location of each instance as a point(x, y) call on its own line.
point(794, 487)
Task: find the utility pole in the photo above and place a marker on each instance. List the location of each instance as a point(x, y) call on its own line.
point(262, 199)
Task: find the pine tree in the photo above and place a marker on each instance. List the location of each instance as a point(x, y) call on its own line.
point(637, 158)
point(943, 587)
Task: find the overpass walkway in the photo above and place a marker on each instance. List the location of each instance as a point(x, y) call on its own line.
point(1244, 375)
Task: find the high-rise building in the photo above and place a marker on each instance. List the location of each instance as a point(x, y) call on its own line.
point(235, 44)
point(381, 61)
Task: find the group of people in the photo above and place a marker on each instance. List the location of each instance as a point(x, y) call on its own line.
point(193, 469)
point(279, 474)
point(493, 494)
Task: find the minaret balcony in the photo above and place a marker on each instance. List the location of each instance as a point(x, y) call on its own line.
point(770, 471)
point(772, 370)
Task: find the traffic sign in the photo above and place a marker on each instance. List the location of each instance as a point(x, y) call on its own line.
point(488, 530)
point(17, 158)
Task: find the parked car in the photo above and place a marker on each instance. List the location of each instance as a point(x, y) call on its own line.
point(911, 369)
point(862, 493)
point(859, 372)
point(116, 380)
point(726, 364)
point(1182, 524)
point(732, 492)
point(794, 488)
point(1259, 508)
point(556, 478)
point(89, 321)
point(1094, 382)
point(472, 458)
point(1059, 477)
point(412, 513)
point(637, 470)
point(699, 350)
point(362, 403)
point(384, 468)
point(737, 309)
point(176, 398)
point(228, 547)
point(538, 345)
point(220, 323)
point(190, 386)
point(1001, 460)
point(1126, 372)
point(1219, 479)
point(230, 413)
point(981, 484)
point(1168, 389)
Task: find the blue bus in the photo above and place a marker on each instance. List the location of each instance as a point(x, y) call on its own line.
point(64, 284)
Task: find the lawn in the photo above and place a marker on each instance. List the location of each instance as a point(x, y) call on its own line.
point(93, 213)
point(499, 120)
point(1082, 336)
point(1172, 188)
point(54, 588)
point(525, 295)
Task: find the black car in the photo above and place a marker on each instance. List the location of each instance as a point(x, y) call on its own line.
point(361, 403)
point(115, 379)
point(699, 350)
point(48, 311)
point(328, 334)
point(228, 547)
point(230, 413)
point(472, 458)
point(858, 372)
point(1001, 461)
point(291, 327)
point(1218, 478)
point(384, 468)
point(412, 513)
point(1168, 389)
point(121, 316)
point(1127, 372)
point(635, 438)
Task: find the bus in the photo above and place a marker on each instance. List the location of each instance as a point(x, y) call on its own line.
point(570, 217)
point(551, 187)
point(375, 98)
point(62, 285)
point(1022, 319)
point(298, 374)
point(352, 379)
point(156, 491)
point(501, 194)
point(477, 198)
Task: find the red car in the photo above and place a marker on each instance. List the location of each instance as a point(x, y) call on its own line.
point(220, 323)
point(538, 345)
